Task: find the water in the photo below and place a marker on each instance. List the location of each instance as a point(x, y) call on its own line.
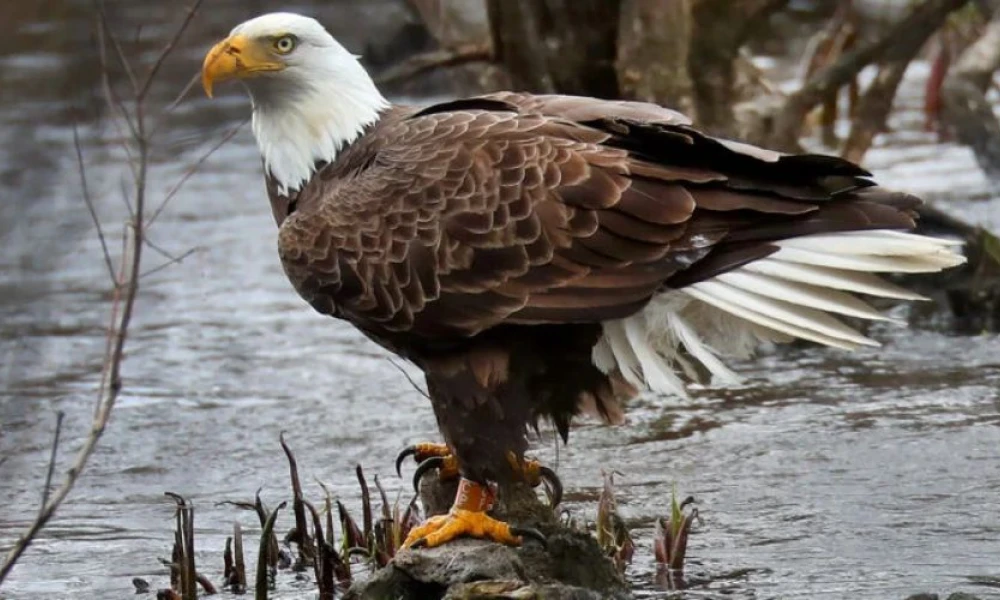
point(865, 475)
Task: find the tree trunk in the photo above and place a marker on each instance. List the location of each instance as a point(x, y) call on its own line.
point(964, 103)
point(565, 46)
point(873, 110)
point(654, 37)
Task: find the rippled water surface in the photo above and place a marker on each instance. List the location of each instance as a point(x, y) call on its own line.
point(865, 475)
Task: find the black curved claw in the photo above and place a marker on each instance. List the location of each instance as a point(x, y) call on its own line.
point(530, 532)
point(408, 451)
point(420, 543)
point(434, 462)
point(557, 487)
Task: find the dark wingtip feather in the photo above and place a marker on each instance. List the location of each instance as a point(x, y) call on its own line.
point(823, 165)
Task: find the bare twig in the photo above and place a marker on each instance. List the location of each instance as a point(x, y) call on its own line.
point(415, 385)
point(160, 249)
point(125, 195)
point(52, 461)
point(172, 261)
point(176, 102)
point(168, 50)
point(183, 93)
point(90, 202)
point(193, 169)
point(125, 277)
point(126, 64)
point(114, 102)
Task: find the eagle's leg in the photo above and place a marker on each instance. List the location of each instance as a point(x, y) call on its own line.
point(429, 456)
point(468, 517)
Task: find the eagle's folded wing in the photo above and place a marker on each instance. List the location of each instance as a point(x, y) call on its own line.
point(546, 209)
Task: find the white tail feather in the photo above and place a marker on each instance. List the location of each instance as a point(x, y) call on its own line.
point(698, 349)
point(657, 374)
point(717, 297)
point(878, 243)
point(789, 294)
point(826, 277)
point(628, 364)
point(804, 295)
point(922, 263)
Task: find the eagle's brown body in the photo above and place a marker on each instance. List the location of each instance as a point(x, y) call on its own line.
point(487, 239)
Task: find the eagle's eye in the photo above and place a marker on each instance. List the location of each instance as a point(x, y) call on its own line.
point(284, 44)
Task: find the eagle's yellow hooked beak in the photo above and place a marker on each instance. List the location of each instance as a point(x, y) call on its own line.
point(236, 57)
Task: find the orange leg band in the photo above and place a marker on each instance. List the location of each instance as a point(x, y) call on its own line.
point(474, 497)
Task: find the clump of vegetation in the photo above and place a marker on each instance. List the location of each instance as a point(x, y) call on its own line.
point(612, 534)
point(670, 542)
point(312, 544)
point(670, 539)
point(312, 537)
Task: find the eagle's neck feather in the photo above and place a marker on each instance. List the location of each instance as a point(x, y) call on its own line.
point(300, 124)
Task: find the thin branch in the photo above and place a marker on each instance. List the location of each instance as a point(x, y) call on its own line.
point(193, 169)
point(125, 195)
point(175, 103)
point(435, 59)
point(123, 300)
point(105, 30)
point(195, 80)
point(90, 202)
point(112, 99)
point(172, 261)
point(157, 248)
point(419, 389)
point(110, 386)
point(141, 95)
point(52, 461)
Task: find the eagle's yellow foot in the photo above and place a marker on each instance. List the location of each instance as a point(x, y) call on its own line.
point(439, 456)
point(468, 517)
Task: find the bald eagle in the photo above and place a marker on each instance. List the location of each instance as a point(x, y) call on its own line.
point(539, 256)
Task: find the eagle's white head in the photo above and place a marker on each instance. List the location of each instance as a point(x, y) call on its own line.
point(311, 97)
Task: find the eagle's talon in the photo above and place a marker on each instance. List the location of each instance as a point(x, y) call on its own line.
point(417, 544)
point(547, 474)
point(408, 451)
point(530, 532)
point(420, 452)
point(438, 456)
point(434, 462)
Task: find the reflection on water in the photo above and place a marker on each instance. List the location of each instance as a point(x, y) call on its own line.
point(865, 475)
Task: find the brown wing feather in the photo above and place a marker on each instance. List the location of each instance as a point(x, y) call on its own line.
point(519, 209)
